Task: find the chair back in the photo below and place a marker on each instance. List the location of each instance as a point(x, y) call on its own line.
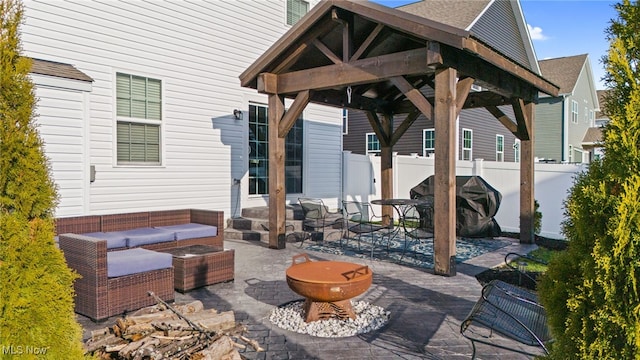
point(313, 209)
point(356, 211)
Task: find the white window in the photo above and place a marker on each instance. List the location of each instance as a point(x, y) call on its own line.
point(467, 144)
point(373, 145)
point(499, 147)
point(139, 117)
point(296, 9)
point(345, 121)
point(574, 111)
point(570, 153)
point(586, 115)
point(428, 142)
point(516, 150)
point(591, 118)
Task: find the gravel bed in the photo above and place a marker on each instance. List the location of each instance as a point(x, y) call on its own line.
point(368, 318)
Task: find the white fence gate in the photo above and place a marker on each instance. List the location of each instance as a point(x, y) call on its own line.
point(361, 181)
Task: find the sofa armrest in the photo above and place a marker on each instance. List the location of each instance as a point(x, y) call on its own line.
point(208, 217)
point(88, 257)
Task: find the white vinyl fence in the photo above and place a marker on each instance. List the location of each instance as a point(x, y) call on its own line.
point(362, 180)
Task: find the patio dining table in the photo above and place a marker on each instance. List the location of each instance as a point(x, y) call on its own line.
point(401, 206)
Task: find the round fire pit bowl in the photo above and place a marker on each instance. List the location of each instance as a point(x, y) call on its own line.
point(327, 286)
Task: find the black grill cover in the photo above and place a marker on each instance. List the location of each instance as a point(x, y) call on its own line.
point(477, 203)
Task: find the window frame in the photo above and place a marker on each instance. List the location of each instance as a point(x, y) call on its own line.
point(464, 148)
point(345, 121)
point(574, 112)
point(289, 14)
point(258, 183)
point(139, 121)
point(428, 150)
point(372, 152)
point(499, 148)
point(516, 150)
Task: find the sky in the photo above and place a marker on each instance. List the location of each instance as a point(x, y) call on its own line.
point(563, 28)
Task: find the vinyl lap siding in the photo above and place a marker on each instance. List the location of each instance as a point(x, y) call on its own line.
point(197, 49)
point(498, 26)
point(484, 126)
point(548, 129)
point(61, 125)
point(323, 159)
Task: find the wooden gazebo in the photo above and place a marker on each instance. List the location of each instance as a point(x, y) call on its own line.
point(363, 56)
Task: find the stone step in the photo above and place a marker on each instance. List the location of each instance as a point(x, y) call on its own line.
point(244, 223)
point(261, 235)
point(292, 212)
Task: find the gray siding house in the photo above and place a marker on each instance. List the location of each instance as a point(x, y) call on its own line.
point(563, 122)
point(500, 24)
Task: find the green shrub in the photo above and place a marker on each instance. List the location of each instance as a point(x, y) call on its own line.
point(37, 320)
point(592, 291)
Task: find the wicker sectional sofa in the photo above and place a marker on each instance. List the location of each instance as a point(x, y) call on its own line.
point(127, 241)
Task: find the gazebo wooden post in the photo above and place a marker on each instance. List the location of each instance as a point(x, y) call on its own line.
point(445, 173)
point(386, 169)
point(277, 193)
point(527, 180)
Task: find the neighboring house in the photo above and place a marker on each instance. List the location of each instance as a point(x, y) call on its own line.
point(562, 122)
point(593, 137)
point(140, 106)
point(501, 25)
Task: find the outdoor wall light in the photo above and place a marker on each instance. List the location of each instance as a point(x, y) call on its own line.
point(237, 114)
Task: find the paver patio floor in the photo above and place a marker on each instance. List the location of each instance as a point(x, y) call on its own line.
point(426, 309)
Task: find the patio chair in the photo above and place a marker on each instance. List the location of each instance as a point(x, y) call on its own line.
point(511, 311)
point(316, 218)
point(417, 225)
point(359, 218)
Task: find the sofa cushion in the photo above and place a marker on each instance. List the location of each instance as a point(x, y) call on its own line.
point(133, 261)
point(145, 236)
point(191, 230)
point(114, 239)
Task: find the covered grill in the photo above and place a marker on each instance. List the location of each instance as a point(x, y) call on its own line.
point(477, 203)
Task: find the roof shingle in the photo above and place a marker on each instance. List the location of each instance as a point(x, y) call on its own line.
point(563, 71)
point(460, 13)
point(52, 68)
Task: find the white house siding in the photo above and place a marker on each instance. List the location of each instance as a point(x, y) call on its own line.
point(323, 170)
point(62, 114)
point(197, 49)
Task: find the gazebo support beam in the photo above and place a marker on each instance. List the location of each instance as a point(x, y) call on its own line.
point(527, 179)
point(277, 193)
point(445, 173)
point(386, 168)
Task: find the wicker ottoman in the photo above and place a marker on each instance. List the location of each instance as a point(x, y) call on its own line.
point(201, 265)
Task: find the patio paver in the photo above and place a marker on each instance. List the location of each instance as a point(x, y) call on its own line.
point(426, 309)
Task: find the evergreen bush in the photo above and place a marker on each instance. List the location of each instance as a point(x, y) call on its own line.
point(37, 320)
point(592, 291)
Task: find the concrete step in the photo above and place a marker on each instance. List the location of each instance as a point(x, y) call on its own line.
point(257, 224)
point(261, 235)
point(292, 212)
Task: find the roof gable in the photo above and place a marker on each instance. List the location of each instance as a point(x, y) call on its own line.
point(564, 71)
point(498, 23)
point(461, 14)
